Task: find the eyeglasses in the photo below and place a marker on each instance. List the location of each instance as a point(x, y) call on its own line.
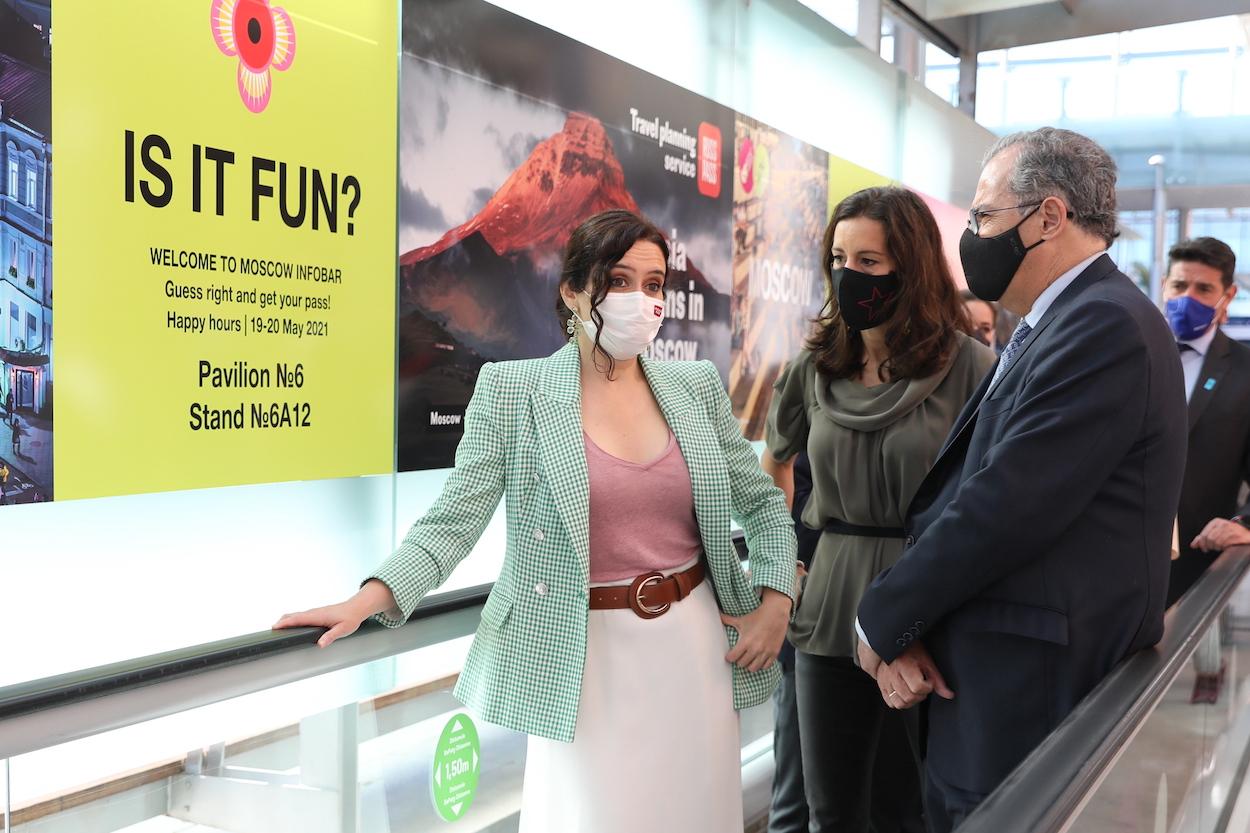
point(975, 216)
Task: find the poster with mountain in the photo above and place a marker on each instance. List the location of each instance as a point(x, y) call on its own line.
point(501, 156)
point(780, 200)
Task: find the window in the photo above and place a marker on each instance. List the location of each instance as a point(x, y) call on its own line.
point(941, 73)
point(30, 265)
point(32, 183)
point(30, 331)
point(886, 48)
point(13, 258)
point(12, 192)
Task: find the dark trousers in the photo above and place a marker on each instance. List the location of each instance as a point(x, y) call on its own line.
point(1185, 572)
point(861, 761)
point(946, 807)
point(789, 809)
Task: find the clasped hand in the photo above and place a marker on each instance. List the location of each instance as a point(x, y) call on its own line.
point(1219, 534)
point(908, 680)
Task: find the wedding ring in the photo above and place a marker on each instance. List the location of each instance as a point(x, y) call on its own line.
point(893, 693)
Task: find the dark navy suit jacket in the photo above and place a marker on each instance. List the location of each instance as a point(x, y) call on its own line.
point(1042, 535)
point(1219, 454)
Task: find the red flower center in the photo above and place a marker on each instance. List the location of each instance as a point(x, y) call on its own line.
point(253, 32)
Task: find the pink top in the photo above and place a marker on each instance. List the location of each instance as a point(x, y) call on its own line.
point(641, 514)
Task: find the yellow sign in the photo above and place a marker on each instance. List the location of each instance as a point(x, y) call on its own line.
point(224, 196)
point(845, 178)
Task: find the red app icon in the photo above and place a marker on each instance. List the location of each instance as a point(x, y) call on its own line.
point(709, 160)
point(746, 164)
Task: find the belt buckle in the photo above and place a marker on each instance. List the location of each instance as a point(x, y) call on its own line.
point(636, 589)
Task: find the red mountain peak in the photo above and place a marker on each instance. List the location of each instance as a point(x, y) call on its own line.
point(567, 178)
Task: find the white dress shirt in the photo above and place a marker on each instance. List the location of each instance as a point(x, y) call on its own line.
point(1191, 360)
point(1032, 318)
point(1050, 293)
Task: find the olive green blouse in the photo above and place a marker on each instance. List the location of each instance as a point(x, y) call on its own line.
point(869, 447)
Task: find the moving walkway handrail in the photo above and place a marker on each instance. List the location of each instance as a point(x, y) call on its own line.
point(67, 707)
point(37, 695)
point(1048, 789)
point(55, 710)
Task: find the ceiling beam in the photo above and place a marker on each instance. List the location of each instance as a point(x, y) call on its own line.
point(937, 9)
point(905, 11)
point(1080, 18)
point(1188, 197)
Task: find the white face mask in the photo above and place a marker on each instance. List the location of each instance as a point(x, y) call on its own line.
point(630, 323)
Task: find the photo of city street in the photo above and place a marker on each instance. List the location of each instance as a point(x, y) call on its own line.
point(25, 253)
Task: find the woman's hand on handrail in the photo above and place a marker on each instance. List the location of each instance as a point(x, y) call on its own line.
point(344, 618)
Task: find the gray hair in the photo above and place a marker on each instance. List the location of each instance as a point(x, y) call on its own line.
point(1060, 163)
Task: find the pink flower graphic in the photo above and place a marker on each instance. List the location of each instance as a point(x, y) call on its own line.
point(261, 36)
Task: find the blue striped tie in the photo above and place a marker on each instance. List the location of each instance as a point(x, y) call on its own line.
point(1009, 352)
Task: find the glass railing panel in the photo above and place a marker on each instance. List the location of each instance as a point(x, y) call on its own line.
point(1187, 762)
point(175, 569)
point(1146, 750)
point(401, 750)
point(4, 792)
point(315, 756)
point(310, 756)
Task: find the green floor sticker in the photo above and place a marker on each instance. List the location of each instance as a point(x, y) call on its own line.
point(453, 776)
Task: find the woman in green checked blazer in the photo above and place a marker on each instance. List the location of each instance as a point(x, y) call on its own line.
point(622, 634)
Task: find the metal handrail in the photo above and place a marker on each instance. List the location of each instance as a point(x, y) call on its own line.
point(55, 710)
point(1048, 789)
point(37, 695)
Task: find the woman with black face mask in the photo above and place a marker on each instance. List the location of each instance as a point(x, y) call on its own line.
point(887, 369)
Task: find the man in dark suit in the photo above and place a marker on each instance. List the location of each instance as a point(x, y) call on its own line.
point(1197, 292)
point(1040, 540)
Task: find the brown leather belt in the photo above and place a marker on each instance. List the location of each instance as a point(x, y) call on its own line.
point(650, 595)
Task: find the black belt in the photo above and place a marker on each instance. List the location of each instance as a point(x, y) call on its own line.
point(843, 528)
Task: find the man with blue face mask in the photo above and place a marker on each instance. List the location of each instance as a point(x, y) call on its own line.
point(1198, 289)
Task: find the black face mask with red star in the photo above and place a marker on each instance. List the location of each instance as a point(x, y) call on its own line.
point(866, 301)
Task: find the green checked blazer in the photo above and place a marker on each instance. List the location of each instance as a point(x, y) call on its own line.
point(523, 439)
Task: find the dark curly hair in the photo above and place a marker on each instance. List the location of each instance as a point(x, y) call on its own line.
point(923, 330)
point(593, 249)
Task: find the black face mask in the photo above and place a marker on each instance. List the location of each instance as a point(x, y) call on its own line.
point(991, 262)
point(866, 301)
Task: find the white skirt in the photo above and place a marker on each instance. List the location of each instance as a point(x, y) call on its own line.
point(657, 744)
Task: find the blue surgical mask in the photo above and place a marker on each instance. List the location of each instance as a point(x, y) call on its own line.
point(1188, 317)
